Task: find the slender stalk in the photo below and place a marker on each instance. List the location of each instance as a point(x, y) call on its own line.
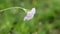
point(13, 8)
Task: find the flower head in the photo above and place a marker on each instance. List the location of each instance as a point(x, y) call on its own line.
point(30, 14)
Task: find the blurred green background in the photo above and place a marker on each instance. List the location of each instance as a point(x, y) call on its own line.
point(45, 21)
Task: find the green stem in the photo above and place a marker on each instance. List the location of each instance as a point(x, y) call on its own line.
point(12, 8)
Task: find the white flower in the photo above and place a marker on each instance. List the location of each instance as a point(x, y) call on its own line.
point(30, 14)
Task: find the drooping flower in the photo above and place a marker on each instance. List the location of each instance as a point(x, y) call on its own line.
point(30, 14)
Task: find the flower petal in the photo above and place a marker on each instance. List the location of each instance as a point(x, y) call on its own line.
point(30, 14)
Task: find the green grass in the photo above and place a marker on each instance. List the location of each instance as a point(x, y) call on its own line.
point(45, 21)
